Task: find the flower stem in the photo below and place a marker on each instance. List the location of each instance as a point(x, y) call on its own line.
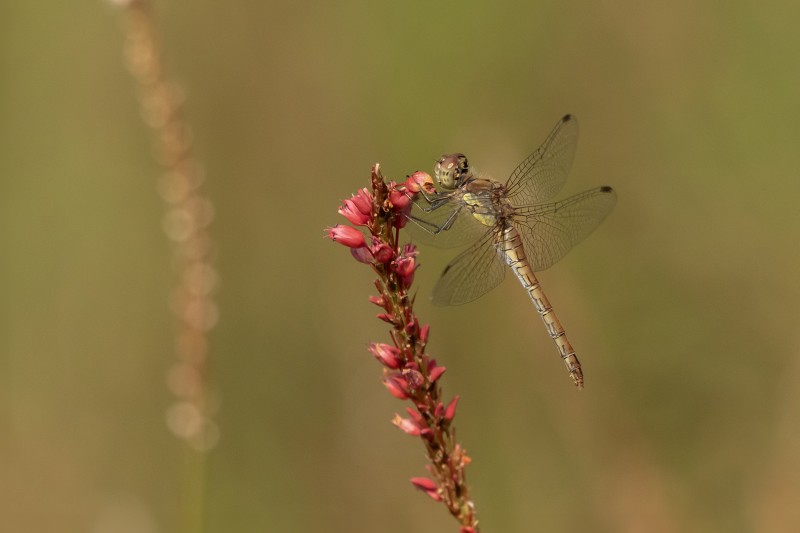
point(410, 373)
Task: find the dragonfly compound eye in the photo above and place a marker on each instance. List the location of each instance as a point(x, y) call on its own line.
point(450, 169)
point(463, 165)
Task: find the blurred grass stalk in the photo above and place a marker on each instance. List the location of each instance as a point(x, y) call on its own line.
point(187, 217)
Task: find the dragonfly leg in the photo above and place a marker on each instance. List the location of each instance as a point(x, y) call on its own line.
point(434, 228)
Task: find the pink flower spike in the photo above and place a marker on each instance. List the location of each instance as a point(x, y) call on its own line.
point(467, 529)
point(407, 425)
point(450, 412)
point(347, 235)
point(397, 386)
point(387, 355)
point(427, 486)
point(435, 373)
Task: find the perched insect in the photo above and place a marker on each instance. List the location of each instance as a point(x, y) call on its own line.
point(510, 224)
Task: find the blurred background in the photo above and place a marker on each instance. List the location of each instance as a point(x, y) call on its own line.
point(683, 305)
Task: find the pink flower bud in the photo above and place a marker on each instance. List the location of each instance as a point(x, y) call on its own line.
point(382, 252)
point(399, 198)
point(363, 201)
point(420, 181)
point(397, 386)
point(435, 373)
point(347, 235)
point(416, 416)
point(428, 486)
point(407, 425)
point(387, 355)
point(351, 213)
point(386, 318)
point(401, 218)
point(377, 300)
point(413, 378)
point(405, 265)
point(450, 412)
point(423, 333)
point(362, 255)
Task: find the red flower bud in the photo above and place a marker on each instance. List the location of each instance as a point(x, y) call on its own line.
point(420, 181)
point(347, 235)
point(386, 317)
point(435, 373)
point(423, 333)
point(399, 198)
point(401, 218)
point(418, 418)
point(351, 213)
point(407, 425)
point(397, 386)
point(405, 267)
point(450, 412)
point(387, 355)
point(362, 255)
point(363, 201)
point(382, 252)
point(428, 486)
point(413, 378)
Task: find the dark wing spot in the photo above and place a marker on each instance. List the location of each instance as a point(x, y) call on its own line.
point(606, 188)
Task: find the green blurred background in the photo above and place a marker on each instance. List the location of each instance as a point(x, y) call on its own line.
point(683, 306)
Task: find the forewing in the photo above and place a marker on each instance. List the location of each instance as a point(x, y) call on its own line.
point(464, 228)
point(550, 231)
point(471, 274)
point(543, 173)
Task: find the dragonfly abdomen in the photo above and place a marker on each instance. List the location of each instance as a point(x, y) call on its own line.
point(510, 246)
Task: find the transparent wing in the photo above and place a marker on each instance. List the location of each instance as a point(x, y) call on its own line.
point(464, 228)
point(544, 172)
point(550, 231)
point(471, 274)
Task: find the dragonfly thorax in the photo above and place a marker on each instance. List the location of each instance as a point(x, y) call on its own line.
point(486, 200)
point(451, 170)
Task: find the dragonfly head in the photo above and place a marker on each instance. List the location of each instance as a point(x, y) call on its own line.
point(451, 170)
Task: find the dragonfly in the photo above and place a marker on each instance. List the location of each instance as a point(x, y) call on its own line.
point(511, 225)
